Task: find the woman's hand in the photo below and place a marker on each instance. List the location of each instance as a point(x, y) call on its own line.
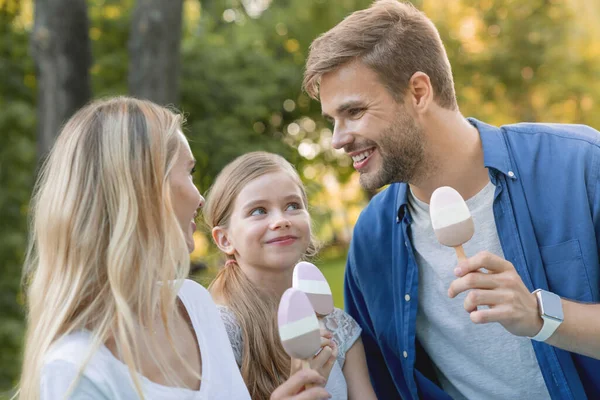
point(293, 388)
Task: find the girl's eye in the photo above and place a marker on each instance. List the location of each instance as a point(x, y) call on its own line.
point(293, 206)
point(193, 171)
point(258, 211)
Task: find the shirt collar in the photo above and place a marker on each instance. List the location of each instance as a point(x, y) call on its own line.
point(495, 151)
point(495, 157)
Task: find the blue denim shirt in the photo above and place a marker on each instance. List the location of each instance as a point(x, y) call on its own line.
point(547, 212)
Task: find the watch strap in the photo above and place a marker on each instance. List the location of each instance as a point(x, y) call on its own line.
point(550, 325)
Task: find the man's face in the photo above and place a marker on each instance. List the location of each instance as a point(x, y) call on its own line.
point(383, 139)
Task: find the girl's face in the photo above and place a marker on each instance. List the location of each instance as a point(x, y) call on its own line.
point(269, 228)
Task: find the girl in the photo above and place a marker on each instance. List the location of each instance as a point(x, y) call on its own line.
point(110, 315)
point(257, 210)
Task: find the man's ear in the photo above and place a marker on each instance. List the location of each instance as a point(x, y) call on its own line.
point(421, 91)
point(219, 235)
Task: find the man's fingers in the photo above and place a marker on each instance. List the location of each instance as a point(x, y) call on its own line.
point(473, 280)
point(496, 314)
point(483, 259)
point(480, 297)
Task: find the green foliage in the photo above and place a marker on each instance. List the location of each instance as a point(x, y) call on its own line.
point(17, 164)
point(240, 90)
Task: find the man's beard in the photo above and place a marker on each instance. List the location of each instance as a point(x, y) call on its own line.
point(402, 151)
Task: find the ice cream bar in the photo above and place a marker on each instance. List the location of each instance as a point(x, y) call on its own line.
point(451, 219)
point(309, 279)
point(298, 325)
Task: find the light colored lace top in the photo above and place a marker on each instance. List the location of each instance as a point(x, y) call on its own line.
point(345, 332)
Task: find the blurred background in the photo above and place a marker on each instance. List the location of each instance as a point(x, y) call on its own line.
point(234, 67)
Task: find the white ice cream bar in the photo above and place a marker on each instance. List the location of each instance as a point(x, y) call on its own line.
point(451, 214)
point(450, 217)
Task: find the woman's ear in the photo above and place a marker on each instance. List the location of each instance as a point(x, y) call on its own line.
point(219, 235)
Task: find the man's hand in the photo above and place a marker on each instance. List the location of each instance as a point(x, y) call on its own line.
point(502, 289)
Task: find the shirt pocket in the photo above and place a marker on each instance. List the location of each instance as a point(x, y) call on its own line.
point(565, 270)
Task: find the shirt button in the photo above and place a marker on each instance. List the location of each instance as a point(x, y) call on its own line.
point(407, 297)
point(405, 354)
point(511, 174)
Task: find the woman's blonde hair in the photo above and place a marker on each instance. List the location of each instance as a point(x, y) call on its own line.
point(265, 365)
point(103, 234)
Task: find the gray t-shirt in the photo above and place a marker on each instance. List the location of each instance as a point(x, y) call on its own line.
point(472, 361)
point(345, 332)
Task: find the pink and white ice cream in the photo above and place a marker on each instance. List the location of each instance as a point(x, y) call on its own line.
point(451, 219)
point(309, 279)
point(298, 325)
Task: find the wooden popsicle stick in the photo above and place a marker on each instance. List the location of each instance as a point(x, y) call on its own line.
point(306, 365)
point(460, 253)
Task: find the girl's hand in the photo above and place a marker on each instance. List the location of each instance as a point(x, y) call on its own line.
point(324, 360)
point(293, 388)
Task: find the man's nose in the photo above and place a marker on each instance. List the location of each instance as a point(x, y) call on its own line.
point(341, 136)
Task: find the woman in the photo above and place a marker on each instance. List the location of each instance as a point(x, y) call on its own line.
point(110, 314)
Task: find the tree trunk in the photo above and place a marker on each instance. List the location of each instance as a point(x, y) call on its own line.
point(61, 49)
point(154, 57)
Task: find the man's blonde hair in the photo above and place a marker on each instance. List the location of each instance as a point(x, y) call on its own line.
point(392, 38)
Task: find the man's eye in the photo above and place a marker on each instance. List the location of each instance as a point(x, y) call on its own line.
point(355, 112)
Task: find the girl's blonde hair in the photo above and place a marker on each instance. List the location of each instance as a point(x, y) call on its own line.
point(103, 234)
point(265, 365)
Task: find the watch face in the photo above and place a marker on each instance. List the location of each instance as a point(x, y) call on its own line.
point(551, 305)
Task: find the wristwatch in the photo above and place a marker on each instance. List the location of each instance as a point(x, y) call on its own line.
point(551, 311)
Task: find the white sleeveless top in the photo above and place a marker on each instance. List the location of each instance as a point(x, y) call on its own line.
point(106, 377)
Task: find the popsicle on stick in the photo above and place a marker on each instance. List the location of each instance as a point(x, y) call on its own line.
point(451, 219)
point(298, 326)
point(310, 280)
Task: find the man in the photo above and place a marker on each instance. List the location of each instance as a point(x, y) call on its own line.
point(433, 328)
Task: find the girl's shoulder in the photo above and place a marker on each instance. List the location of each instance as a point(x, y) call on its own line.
point(234, 332)
point(345, 331)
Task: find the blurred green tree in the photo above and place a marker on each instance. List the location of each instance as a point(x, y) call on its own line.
point(239, 85)
point(17, 161)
